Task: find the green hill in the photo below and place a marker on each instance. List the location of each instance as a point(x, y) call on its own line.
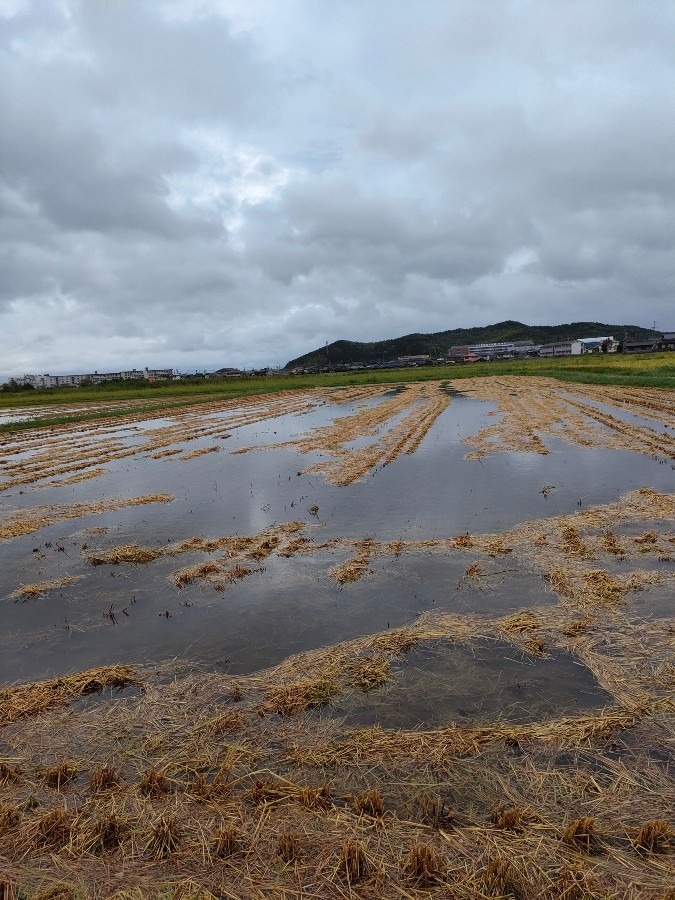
point(437, 344)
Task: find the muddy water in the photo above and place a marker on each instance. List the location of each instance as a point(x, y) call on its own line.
point(133, 613)
point(469, 684)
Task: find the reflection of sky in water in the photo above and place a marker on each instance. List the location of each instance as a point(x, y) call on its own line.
point(5, 418)
point(443, 684)
point(292, 605)
point(642, 420)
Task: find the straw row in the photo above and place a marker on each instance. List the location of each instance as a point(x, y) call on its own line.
point(34, 518)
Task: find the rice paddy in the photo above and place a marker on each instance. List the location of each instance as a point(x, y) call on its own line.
point(83, 448)
point(367, 642)
point(410, 414)
point(579, 414)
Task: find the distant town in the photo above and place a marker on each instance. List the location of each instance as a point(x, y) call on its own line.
point(490, 352)
point(457, 353)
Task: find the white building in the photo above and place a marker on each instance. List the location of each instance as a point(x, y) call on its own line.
point(157, 374)
point(562, 348)
point(56, 381)
point(594, 345)
point(492, 350)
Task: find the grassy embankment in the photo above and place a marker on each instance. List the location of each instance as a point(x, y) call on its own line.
point(649, 370)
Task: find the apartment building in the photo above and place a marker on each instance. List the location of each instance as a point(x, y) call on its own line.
point(58, 381)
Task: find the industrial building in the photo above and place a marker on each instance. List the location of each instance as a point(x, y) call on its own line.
point(501, 350)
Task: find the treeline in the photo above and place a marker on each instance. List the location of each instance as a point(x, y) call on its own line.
point(15, 387)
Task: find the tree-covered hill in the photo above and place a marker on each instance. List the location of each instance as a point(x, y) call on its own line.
point(437, 344)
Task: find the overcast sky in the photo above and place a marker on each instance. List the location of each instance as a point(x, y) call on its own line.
point(206, 183)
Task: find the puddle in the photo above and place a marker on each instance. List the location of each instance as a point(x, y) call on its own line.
point(107, 695)
point(487, 681)
point(657, 600)
point(230, 630)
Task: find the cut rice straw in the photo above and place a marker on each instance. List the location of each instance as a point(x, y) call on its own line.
point(29, 699)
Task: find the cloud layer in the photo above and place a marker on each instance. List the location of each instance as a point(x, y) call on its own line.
point(200, 183)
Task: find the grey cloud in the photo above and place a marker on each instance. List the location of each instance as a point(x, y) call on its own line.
point(206, 183)
point(187, 71)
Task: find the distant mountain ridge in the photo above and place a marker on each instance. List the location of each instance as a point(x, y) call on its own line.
point(438, 343)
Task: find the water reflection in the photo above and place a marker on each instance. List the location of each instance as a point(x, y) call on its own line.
point(289, 605)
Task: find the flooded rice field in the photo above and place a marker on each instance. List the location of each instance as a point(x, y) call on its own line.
point(426, 601)
point(334, 515)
